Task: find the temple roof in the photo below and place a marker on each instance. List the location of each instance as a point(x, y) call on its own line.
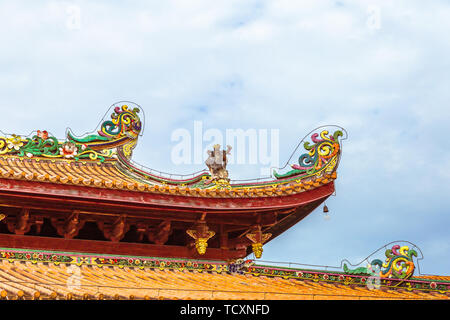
point(88, 188)
point(91, 182)
point(31, 274)
point(103, 159)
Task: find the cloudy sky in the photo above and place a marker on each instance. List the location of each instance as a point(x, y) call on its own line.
point(377, 68)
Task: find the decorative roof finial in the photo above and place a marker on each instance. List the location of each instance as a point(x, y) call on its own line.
point(217, 164)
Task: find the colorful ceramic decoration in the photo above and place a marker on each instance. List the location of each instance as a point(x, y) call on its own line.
point(322, 154)
point(123, 128)
point(399, 264)
point(239, 266)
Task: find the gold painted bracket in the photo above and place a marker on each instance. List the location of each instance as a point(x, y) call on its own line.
point(201, 235)
point(258, 238)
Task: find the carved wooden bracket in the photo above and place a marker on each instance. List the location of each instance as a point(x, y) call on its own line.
point(69, 227)
point(160, 234)
point(21, 224)
point(115, 231)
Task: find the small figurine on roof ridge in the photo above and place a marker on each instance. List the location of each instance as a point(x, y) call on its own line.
point(217, 164)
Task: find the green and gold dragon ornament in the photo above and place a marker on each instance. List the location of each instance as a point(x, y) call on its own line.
point(399, 264)
point(322, 155)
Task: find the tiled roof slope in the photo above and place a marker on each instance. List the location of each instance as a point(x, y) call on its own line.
point(64, 172)
point(54, 275)
point(110, 176)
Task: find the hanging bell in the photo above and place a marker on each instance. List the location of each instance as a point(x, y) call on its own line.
point(325, 210)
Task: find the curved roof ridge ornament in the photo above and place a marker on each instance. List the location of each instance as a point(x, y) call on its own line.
point(322, 155)
point(121, 130)
point(394, 245)
point(107, 116)
point(398, 264)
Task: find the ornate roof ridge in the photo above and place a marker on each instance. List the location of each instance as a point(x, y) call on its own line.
point(117, 136)
point(111, 176)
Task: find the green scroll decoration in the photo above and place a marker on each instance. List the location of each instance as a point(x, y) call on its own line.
point(40, 144)
point(45, 146)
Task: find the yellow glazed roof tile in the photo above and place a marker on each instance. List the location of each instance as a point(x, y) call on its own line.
point(79, 281)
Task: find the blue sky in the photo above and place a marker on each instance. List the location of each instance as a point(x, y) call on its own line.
point(287, 65)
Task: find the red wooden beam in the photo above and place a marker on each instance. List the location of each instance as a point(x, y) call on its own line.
point(119, 248)
point(151, 216)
